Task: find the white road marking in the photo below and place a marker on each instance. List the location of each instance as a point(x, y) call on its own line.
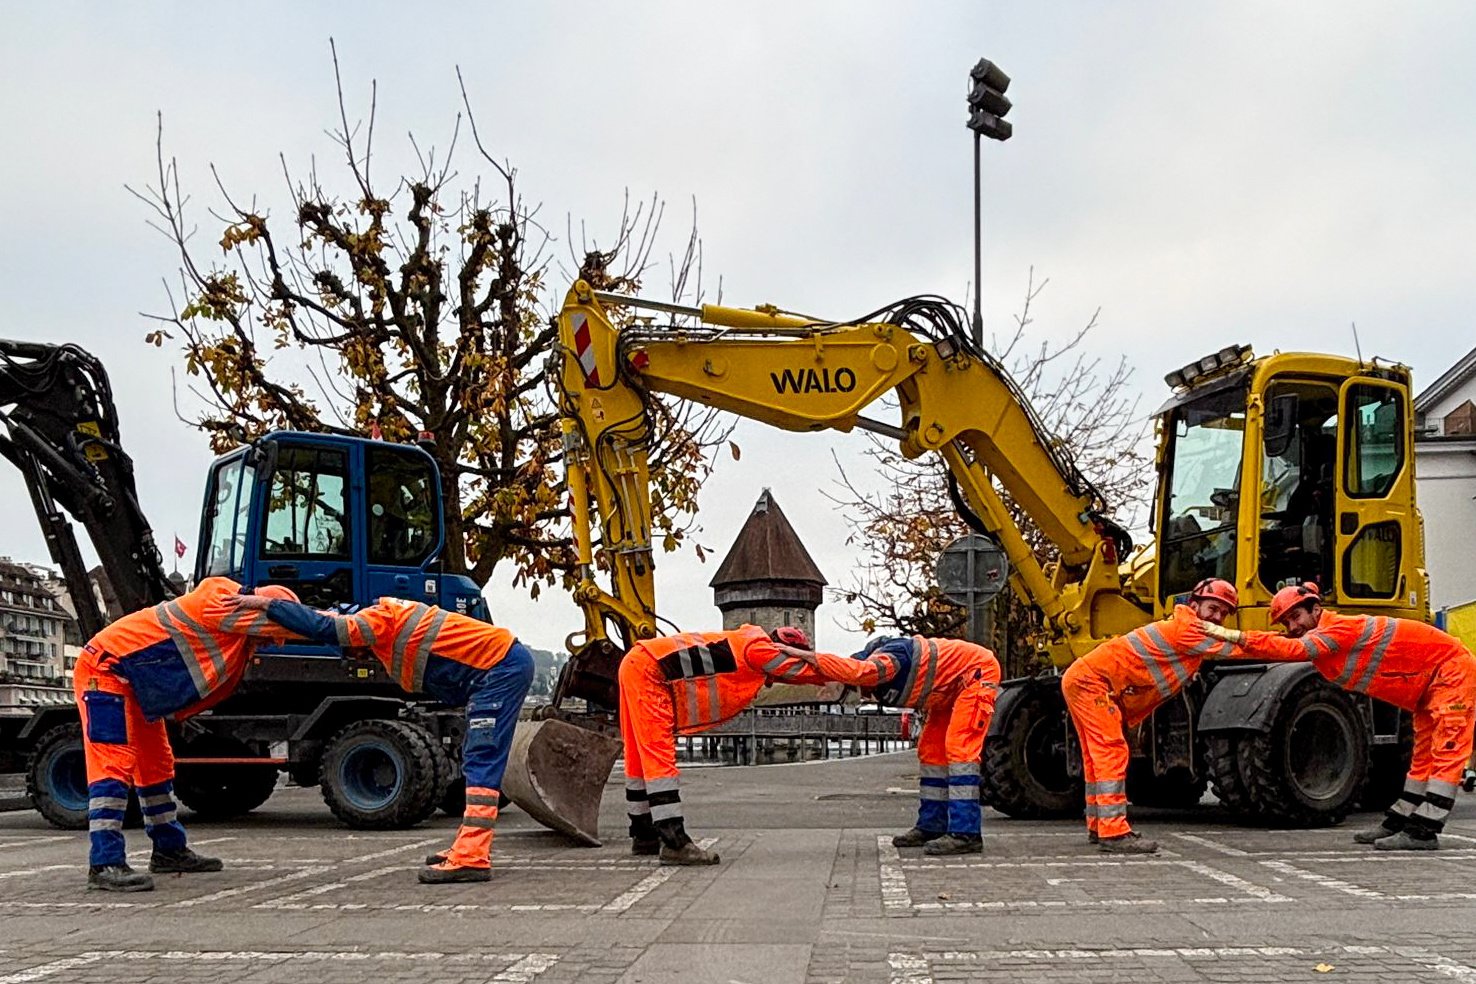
point(915, 968)
point(648, 884)
point(895, 895)
point(36, 871)
point(525, 968)
point(79, 837)
point(293, 901)
point(1234, 881)
point(229, 893)
point(1212, 844)
point(1325, 881)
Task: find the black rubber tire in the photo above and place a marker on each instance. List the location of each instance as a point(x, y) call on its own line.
point(399, 761)
point(1025, 771)
point(56, 759)
point(305, 774)
point(1176, 790)
point(1223, 760)
point(219, 792)
point(1308, 769)
point(1388, 765)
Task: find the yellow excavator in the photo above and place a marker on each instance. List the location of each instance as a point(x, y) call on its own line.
point(1271, 470)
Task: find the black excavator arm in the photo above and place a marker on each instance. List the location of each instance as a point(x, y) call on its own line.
point(59, 427)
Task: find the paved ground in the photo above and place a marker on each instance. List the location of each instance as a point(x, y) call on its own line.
point(810, 890)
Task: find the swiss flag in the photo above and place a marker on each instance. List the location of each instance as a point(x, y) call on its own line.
point(179, 546)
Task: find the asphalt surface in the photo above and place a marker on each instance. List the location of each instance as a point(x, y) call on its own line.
point(809, 890)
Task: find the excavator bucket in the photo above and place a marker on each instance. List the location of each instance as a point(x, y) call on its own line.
point(556, 773)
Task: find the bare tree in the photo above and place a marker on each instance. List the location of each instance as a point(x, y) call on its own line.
point(1089, 408)
point(422, 311)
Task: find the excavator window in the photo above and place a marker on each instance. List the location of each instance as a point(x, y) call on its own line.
point(231, 483)
point(307, 513)
point(1203, 482)
point(1299, 453)
point(402, 507)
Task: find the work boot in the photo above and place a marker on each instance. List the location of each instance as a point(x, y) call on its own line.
point(1129, 843)
point(431, 860)
point(118, 878)
point(688, 854)
point(183, 861)
point(1380, 830)
point(1093, 837)
point(442, 874)
point(645, 848)
point(950, 844)
point(916, 837)
point(1407, 840)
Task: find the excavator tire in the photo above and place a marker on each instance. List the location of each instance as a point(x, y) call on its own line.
point(219, 792)
point(381, 775)
point(1026, 772)
point(56, 780)
point(1309, 768)
point(1223, 759)
point(1387, 767)
point(1178, 789)
point(557, 773)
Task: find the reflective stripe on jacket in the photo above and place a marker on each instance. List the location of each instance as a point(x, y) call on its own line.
point(1150, 664)
point(425, 649)
point(184, 655)
point(1393, 659)
point(715, 675)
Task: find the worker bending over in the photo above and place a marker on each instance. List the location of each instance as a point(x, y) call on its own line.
point(1409, 664)
point(458, 660)
point(686, 684)
point(1119, 684)
point(176, 658)
point(954, 684)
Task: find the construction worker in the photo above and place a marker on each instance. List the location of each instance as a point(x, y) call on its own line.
point(1409, 664)
point(688, 683)
point(176, 658)
point(954, 684)
point(1121, 682)
point(458, 660)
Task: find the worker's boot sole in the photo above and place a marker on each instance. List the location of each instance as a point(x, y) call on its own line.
point(687, 854)
point(949, 845)
point(431, 860)
point(916, 838)
point(1402, 841)
point(454, 876)
point(1373, 835)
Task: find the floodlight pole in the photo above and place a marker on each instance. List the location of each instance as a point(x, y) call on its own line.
point(978, 259)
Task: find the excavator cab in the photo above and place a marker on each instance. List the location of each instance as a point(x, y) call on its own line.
point(1288, 469)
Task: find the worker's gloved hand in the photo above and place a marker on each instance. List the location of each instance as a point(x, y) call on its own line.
point(1221, 632)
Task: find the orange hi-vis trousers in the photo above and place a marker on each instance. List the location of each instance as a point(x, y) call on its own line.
point(123, 750)
point(1443, 736)
point(1104, 750)
point(648, 732)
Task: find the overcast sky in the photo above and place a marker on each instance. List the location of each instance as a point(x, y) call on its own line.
point(1205, 173)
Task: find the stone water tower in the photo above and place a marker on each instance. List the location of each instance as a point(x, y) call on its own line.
point(768, 579)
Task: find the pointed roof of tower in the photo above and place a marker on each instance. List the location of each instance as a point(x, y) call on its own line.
point(767, 549)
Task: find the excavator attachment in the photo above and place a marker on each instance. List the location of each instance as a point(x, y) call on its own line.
point(556, 773)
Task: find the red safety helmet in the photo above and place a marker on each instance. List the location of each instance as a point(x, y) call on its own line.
point(789, 635)
point(1292, 596)
point(276, 592)
point(1218, 589)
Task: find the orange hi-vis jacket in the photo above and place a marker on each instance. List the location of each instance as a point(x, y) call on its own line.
point(1393, 659)
point(182, 656)
point(1150, 664)
point(715, 675)
point(906, 672)
point(426, 649)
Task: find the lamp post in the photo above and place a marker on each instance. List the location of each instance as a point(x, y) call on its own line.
point(987, 108)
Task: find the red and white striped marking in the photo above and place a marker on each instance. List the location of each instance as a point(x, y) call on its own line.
point(584, 350)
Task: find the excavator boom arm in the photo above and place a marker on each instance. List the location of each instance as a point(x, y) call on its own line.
point(801, 374)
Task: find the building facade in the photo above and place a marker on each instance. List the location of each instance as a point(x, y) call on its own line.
point(1445, 477)
point(33, 638)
